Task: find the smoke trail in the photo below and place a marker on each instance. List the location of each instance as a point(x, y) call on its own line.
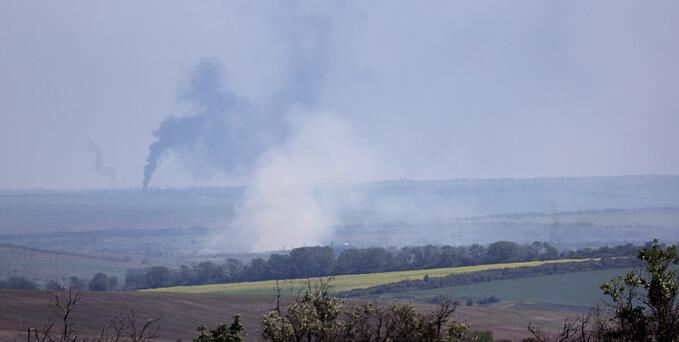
point(224, 131)
point(280, 141)
point(173, 132)
point(99, 166)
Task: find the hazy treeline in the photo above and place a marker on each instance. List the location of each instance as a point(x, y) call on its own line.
point(18, 283)
point(324, 261)
point(604, 251)
point(99, 282)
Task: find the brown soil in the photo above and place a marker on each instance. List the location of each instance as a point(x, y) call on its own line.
point(182, 313)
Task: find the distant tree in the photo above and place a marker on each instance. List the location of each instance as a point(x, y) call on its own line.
point(377, 259)
point(136, 278)
point(112, 283)
point(207, 272)
point(426, 256)
point(257, 269)
point(158, 276)
point(280, 266)
point(450, 256)
point(502, 251)
point(186, 276)
point(233, 268)
point(475, 253)
point(404, 258)
point(54, 285)
point(312, 261)
point(350, 261)
point(550, 251)
point(76, 284)
point(152, 277)
point(18, 283)
point(99, 282)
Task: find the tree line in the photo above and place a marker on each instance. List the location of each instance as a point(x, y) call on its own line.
point(325, 261)
point(18, 283)
point(99, 282)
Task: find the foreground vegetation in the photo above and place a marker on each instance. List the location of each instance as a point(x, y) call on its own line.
point(348, 282)
point(182, 313)
point(642, 305)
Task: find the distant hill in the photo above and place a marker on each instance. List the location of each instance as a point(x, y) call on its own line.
point(48, 211)
point(566, 211)
point(472, 197)
point(35, 211)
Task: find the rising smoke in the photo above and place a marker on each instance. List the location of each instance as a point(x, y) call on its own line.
point(285, 156)
point(284, 151)
point(224, 131)
point(285, 205)
point(278, 139)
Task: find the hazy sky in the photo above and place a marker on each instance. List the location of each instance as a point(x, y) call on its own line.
point(431, 89)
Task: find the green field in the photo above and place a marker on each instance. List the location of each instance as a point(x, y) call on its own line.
point(579, 289)
point(345, 282)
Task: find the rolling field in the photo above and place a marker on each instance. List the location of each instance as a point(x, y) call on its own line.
point(575, 289)
point(657, 217)
point(344, 282)
point(182, 313)
point(42, 265)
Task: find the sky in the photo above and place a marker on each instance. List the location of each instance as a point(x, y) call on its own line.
point(229, 93)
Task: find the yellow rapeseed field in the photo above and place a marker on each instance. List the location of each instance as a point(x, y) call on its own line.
point(345, 282)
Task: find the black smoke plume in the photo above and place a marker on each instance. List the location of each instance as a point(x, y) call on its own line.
point(223, 131)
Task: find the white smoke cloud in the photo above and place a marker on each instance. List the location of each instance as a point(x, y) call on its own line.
point(284, 206)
